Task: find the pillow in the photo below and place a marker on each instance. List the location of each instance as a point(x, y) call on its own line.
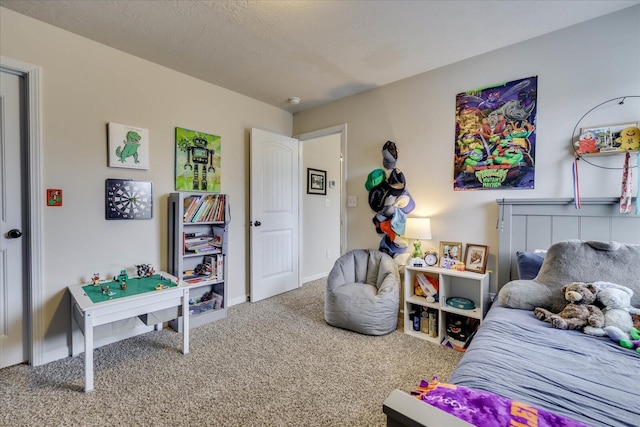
point(483, 408)
point(529, 264)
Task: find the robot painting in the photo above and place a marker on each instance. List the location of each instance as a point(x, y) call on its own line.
point(197, 161)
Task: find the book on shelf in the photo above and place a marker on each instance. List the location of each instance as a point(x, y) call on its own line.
point(201, 244)
point(196, 234)
point(204, 250)
point(191, 277)
point(200, 211)
point(205, 205)
point(216, 261)
point(190, 204)
point(199, 239)
point(204, 208)
point(220, 267)
point(217, 214)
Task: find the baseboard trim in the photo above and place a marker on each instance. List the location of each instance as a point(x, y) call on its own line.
point(236, 301)
point(314, 277)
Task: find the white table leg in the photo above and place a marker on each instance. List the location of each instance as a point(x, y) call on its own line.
point(88, 352)
point(185, 322)
point(73, 341)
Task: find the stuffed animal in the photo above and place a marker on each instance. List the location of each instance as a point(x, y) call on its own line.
point(616, 300)
point(579, 312)
point(636, 321)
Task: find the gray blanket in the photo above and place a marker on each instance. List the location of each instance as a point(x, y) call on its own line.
point(589, 379)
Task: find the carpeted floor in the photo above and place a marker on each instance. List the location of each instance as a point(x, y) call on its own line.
point(270, 363)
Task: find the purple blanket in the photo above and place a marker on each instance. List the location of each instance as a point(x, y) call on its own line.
point(484, 409)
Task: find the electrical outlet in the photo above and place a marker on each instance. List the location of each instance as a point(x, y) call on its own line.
point(328, 253)
point(352, 201)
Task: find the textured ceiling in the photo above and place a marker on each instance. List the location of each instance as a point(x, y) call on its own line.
point(316, 50)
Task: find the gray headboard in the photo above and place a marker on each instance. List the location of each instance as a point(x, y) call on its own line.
point(530, 224)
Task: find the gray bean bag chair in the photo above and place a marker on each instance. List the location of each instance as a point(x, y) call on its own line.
point(363, 292)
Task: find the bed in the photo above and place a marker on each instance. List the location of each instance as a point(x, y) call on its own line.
point(587, 379)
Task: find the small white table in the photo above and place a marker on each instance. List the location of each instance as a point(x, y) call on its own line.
point(87, 315)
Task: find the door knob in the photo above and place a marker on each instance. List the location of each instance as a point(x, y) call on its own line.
point(14, 234)
point(257, 223)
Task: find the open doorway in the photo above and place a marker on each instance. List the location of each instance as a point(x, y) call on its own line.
point(322, 205)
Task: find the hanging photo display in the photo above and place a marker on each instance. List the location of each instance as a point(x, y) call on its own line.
point(197, 161)
point(495, 137)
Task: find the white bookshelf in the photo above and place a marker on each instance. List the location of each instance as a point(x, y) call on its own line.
point(452, 283)
point(183, 261)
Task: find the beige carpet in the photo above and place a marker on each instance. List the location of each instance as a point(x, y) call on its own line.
point(271, 363)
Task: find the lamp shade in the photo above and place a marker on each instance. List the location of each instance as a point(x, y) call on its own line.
point(418, 228)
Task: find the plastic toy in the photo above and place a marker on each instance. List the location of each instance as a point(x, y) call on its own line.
point(122, 277)
point(96, 279)
point(145, 270)
point(634, 342)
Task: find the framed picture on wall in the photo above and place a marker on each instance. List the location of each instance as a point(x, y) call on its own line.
point(128, 146)
point(198, 161)
point(316, 181)
point(475, 258)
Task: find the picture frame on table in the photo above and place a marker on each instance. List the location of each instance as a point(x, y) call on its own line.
point(475, 258)
point(450, 254)
point(316, 181)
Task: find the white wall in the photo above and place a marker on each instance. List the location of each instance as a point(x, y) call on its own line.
point(577, 68)
point(321, 214)
point(85, 85)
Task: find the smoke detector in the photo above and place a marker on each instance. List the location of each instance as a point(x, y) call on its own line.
point(294, 100)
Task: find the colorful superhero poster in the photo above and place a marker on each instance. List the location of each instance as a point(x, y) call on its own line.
point(496, 136)
point(197, 161)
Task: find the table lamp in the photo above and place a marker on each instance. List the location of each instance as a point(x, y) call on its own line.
point(419, 229)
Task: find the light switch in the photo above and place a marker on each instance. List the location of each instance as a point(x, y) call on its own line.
point(327, 202)
point(352, 201)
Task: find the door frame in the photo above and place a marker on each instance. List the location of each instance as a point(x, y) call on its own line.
point(337, 129)
point(34, 277)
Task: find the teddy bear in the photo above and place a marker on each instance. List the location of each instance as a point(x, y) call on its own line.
point(580, 310)
point(636, 320)
point(616, 300)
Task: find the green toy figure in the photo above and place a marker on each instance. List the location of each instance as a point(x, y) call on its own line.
point(123, 277)
point(634, 342)
point(417, 251)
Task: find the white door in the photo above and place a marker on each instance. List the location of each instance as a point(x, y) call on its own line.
point(13, 340)
point(274, 214)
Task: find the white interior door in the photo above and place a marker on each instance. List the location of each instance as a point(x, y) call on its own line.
point(274, 214)
point(13, 340)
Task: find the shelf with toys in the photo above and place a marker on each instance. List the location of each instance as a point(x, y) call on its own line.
point(442, 304)
point(198, 224)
